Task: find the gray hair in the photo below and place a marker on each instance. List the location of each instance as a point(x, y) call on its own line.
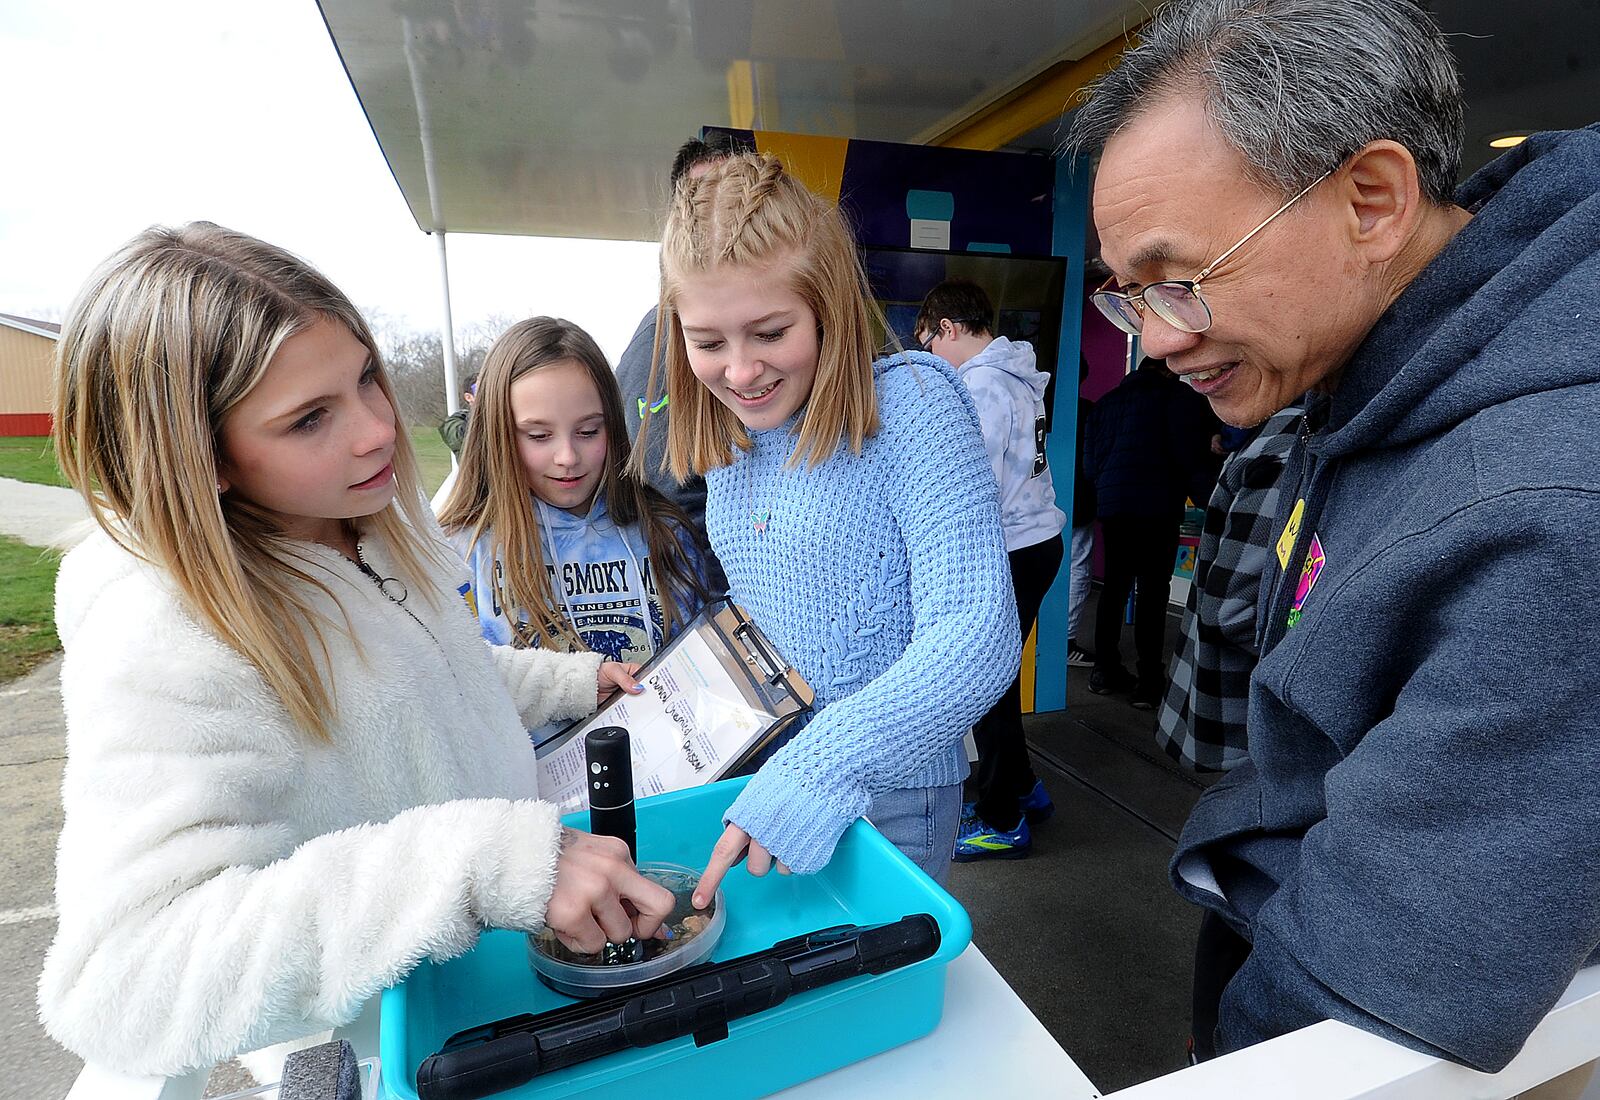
point(1296, 86)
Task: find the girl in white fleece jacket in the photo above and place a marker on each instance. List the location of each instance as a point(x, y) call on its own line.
point(294, 770)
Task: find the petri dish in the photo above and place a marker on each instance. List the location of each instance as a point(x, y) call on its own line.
point(620, 967)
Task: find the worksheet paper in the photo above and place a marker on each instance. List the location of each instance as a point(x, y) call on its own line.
point(690, 725)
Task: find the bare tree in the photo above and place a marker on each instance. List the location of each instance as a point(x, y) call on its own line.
point(416, 362)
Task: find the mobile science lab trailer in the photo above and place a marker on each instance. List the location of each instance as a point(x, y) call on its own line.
point(934, 128)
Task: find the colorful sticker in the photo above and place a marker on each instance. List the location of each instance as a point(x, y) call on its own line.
point(469, 597)
point(1291, 532)
point(1315, 560)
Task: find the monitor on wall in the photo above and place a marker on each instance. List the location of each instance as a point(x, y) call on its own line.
point(1026, 291)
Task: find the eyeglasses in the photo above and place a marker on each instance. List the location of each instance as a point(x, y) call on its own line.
point(926, 342)
point(1176, 301)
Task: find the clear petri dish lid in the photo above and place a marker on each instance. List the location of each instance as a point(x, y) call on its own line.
point(692, 936)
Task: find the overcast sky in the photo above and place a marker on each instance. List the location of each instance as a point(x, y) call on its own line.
point(122, 115)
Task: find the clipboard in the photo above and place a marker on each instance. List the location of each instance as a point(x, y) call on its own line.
point(714, 698)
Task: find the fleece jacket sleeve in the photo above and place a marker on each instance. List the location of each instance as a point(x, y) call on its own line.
point(965, 647)
point(193, 923)
point(1453, 889)
point(548, 686)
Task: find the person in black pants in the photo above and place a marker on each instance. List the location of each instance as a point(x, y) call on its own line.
point(1009, 792)
point(1148, 449)
point(1008, 390)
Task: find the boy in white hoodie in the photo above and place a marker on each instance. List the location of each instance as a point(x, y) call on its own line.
point(956, 323)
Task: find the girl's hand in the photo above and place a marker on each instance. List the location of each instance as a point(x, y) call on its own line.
point(731, 849)
point(614, 676)
point(600, 897)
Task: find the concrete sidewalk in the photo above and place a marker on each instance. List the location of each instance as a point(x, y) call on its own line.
point(42, 515)
point(32, 751)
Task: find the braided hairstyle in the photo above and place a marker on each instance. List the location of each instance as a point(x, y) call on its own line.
point(747, 212)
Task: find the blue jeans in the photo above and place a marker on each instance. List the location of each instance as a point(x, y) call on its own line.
point(1082, 563)
point(922, 823)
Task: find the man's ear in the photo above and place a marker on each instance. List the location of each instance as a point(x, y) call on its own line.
point(1383, 195)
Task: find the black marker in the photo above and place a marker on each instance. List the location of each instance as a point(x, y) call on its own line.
point(610, 762)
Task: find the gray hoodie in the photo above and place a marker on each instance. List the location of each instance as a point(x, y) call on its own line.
point(1413, 845)
point(1009, 392)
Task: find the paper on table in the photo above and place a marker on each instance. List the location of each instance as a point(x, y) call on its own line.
point(688, 727)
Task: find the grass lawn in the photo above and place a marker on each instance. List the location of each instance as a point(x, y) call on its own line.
point(27, 607)
point(28, 574)
point(433, 457)
point(31, 458)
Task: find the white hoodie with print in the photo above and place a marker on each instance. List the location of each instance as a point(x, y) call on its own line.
point(1008, 389)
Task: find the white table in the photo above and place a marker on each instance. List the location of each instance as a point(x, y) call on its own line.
point(1327, 1061)
point(1016, 1054)
point(1334, 1061)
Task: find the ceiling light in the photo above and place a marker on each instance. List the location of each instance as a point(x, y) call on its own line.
point(1508, 140)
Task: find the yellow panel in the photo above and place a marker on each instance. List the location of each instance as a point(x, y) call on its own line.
point(817, 162)
point(1037, 102)
point(741, 95)
point(1030, 651)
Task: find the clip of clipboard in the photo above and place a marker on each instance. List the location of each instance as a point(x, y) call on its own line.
point(721, 694)
point(758, 651)
point(786, 693)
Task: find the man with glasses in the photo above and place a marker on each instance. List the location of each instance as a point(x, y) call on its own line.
point(1412, 846)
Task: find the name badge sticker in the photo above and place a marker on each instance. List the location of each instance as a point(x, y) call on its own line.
point(1309, 574)
point(1291, 532)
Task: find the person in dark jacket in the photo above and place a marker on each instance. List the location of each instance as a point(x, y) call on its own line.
point(633, 376)
point(1413, 845)
point(1082, 556)
point(453, 429)
point(1148, 450)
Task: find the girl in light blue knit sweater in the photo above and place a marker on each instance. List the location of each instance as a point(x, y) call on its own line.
point(852, 506)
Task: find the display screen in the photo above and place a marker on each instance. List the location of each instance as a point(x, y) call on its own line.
point(1026, 292)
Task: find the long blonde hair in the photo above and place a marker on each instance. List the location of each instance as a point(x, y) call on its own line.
point(491, 493)
point(166, 337)
point(746, 211)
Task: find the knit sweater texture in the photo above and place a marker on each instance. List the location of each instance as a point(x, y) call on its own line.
point(224, 880)
point(883, 578)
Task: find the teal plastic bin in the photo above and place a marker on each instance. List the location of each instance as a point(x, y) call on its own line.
point(868, 882)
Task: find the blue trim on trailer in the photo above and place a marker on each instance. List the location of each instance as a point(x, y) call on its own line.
point(1069, 227)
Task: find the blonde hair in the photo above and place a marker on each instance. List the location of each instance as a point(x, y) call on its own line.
point(491, 493)
point(746, 211)
point(166, 337)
